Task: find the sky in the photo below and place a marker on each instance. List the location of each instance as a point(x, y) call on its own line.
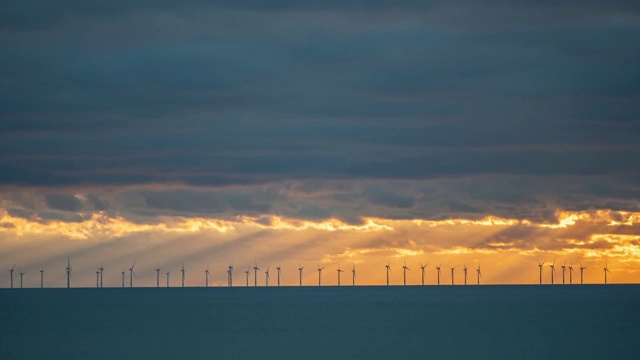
point(319, 133)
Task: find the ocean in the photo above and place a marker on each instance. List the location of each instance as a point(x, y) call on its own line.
point(364, 322)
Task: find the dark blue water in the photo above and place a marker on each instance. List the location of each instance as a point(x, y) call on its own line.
point(505, 322)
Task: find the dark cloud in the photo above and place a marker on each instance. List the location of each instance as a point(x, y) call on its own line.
point(493, 106)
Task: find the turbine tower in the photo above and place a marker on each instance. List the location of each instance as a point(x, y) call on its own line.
point(605, 271)
point(98, 278)
point(564, 265)
point(157, 276)
point(266, 277)
point(422, 268)
point(230, 274)
point(540, 265)
point(122, 277)
point(581, 272)
point(339, 271)
point(247, 273)
point(41, 278)
point(452, 269)
point(206, 276)
point(571, 273)
point(22, 273)
point(278, 268)
point(353, 279)
point(320, 275)
point(553, 270)
point(300, 270)
point(167, 279)
point(182, 270)
point(131, 274)
point(465, 273)
point(479, 273)
point(11, 274)
point(101, 271)
point(404, 273)
point(388, 271)
point(69, 270)
point(255, 275)
point(438, 268)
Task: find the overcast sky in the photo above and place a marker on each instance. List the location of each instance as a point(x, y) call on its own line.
point(146, 111)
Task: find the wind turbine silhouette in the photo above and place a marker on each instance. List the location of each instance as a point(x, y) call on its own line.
point(465, 273)
point(167, 278)
point(278, 268)
point(230, 274)
point(571, 273)
point(69, 270)
point(11, 274)
point(131, 274)
point(438, 268)
point(404, 273)
point(98, 278)
point(266, 273)
point(581, 272)
point(541, 264)
point(41, 278)
point(182, 270)
point(605, 271)
point(553, 270)
point(353, 279)
point(564, 265)
point(247, 273)
point(300, 270)
point(157, 276)
point(101, 271)
point(422, 268)
point(320, 275)
point(339, 271)
point(479, 273)
point(206, 276)
point(452, 269)
point(388, 271)
point(22, 273)
point(255, 275)
point(122, 277)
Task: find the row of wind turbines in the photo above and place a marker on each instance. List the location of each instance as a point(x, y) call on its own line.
point(571, 271)
point(230, 274)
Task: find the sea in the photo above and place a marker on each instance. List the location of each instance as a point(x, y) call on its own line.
point(363, 322)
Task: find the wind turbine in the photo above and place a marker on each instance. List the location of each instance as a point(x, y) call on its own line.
point(354, 275)
point(438, 268)
point(465, 273)
point(266, 277)
point(182, 270)
point(157, 276)
point(581, 272)
point(278, 268)
point(255, 275)
point(247, 273)
point(22, 273)
point(98, 278)
point(564, 265)
point(167, 279)
point(404, 273)
point(339, 271)
point(131, 274)
point(388, 270)
point(452, 269)
point(605, 271)
point(69, 270)
point(479, 273)
point(11, 272)
point(300, 270)
point(101, 271)
point(553, 270)
point(571, 273)
point(230, 273)
point(41, 278)
point(320, 275)
point(541, 264)
point(206, 276)
point(122, 277)
point(422, 268)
